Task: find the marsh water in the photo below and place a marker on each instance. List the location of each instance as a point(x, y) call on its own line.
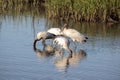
point(97, 59)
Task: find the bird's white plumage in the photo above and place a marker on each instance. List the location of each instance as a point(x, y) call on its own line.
point(56, 31)
point(59, 37)
point(74, 35)
point(62, 41)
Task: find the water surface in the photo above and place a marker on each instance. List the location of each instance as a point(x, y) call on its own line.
point(98, 59)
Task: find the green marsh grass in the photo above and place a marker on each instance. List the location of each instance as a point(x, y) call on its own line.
point(65, 10)
point(84, 10)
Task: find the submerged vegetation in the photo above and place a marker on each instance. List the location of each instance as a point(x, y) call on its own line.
point(65, 10)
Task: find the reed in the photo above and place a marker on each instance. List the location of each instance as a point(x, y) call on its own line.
point(84, 10)
point(66, 10)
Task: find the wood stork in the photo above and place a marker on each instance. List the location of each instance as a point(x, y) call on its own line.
point(63, 42)
point(43, 36)
point(73, 34)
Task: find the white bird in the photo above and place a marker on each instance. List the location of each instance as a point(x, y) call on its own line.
point(43, 36)
point(73, 34)
point(55, 31)
point(63, 42)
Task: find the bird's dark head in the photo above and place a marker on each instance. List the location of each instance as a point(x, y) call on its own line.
point(50, 36)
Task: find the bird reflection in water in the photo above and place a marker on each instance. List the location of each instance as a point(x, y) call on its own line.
point(60, 60)
point(47, 51)
point(73, 59)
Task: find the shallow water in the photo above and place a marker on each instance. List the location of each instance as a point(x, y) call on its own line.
point(98, 59)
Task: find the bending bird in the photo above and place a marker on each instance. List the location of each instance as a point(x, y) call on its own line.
point(43, 36)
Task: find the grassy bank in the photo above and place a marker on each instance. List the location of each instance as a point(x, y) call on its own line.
point(84, 10)
point(65, 10)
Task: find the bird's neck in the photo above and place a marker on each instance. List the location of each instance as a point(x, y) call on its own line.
point(34, 43)
point(64, 30)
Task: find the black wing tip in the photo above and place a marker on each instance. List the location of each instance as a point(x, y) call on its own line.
point(86, 37)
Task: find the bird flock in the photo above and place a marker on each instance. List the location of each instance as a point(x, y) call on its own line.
point(60, 37)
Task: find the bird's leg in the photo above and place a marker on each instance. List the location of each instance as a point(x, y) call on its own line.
point(70, 55)
point(62, 50)
point(74, 46)
point(54, 46)
point(43, 43)
point(61, 53)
